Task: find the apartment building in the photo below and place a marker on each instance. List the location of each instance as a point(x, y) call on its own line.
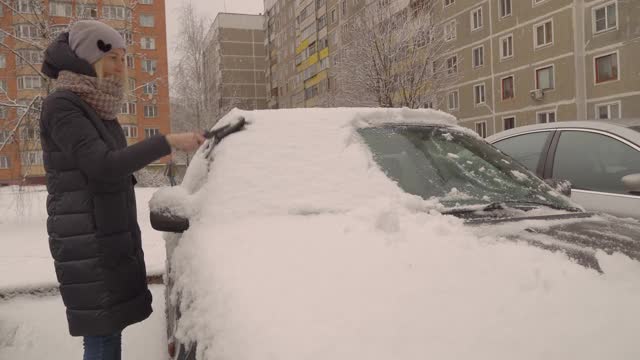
point(303, 39)
point(518, 62)
point(27, 27)
point(235, 63)
point(523, 62)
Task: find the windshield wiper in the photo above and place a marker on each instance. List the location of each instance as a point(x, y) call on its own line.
point(500, 205)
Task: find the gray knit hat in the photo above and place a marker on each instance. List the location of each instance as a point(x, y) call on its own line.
point(91, 40)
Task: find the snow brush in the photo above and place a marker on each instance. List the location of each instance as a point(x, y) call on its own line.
point(215, 136)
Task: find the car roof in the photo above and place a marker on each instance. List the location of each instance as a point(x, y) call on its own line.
point(361, 117)
point(629, 129)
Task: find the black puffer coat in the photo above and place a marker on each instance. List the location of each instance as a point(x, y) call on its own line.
point(94, 235)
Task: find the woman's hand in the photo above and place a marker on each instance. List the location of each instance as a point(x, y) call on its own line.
point(185, 141)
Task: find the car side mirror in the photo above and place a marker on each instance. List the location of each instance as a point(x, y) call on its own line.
point(561, 186)
point(163, 221)
point(632, 183)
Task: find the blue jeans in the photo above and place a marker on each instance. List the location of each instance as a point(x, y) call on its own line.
point(103, 347)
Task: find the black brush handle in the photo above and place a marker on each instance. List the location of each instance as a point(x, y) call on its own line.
point(222, 132)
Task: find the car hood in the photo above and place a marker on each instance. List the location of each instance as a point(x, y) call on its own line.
point(579, 236)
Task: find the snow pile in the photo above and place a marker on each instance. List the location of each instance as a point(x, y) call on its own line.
point(301, 248)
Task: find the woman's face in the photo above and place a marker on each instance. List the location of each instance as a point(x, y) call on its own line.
point(114, 63)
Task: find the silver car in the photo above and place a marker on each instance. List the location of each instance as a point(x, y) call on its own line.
point(601, 159)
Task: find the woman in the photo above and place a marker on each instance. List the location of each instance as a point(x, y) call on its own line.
point(94, 235)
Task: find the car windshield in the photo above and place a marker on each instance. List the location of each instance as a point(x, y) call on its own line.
point(458, 169)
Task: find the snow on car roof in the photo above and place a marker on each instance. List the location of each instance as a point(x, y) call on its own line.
point(301, 248)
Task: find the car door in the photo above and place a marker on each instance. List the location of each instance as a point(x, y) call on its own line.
point(595, 162)
point(529, 149)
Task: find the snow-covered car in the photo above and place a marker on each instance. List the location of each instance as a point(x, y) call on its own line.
point(386, 234)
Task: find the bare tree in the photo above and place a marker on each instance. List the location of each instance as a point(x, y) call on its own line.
point(188, 73)
point(393, 57)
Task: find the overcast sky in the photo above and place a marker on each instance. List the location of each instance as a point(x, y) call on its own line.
point(209, 8)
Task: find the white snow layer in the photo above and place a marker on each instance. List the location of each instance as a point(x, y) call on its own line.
point(301, 248)
point(25, 260)
point(36, 328)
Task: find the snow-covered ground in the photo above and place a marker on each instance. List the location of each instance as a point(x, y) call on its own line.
point(25, 260)
point(36, 328)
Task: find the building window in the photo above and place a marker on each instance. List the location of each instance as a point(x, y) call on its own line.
point(4, 161)
point(149, 132)
point(476, 19)
point(147, 21)
point(132, 84)
point(145, 2)
point(481, 129)
point(454, 100)
point(148, 43)
point(544, 34)
point(605, 17)
point(116, 12)
point(87, 11)
point(545, 78)
point(29, 133)
point(449, 2)
point(128, 108)
point(150, 111)
point(149, 66)
point(509, 123)
point(450, 30)
point(507, 88)
point(478, 56)
point(324, 63)
point(505, 8)
point(29, 82)
point(25, 31)
point(29, 56)
point(3, 61)
point(55, 30)
point(131, 61)
point(311, 92)
point(4, 136)
point(546, 117)
point(606, 68)
point(334, 16)
point(452, 65)
point(130, 131)
point(60, 9)
point(608, 111)
point(479, 94)
point(24, 6)
point(506, 47)
point(31, 158)
point(322, 21)
point(3, 109)
point(127, 36)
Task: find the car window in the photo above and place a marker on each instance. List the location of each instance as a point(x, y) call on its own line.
point(455, 168)
point(527, 148)
point(594, 161)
